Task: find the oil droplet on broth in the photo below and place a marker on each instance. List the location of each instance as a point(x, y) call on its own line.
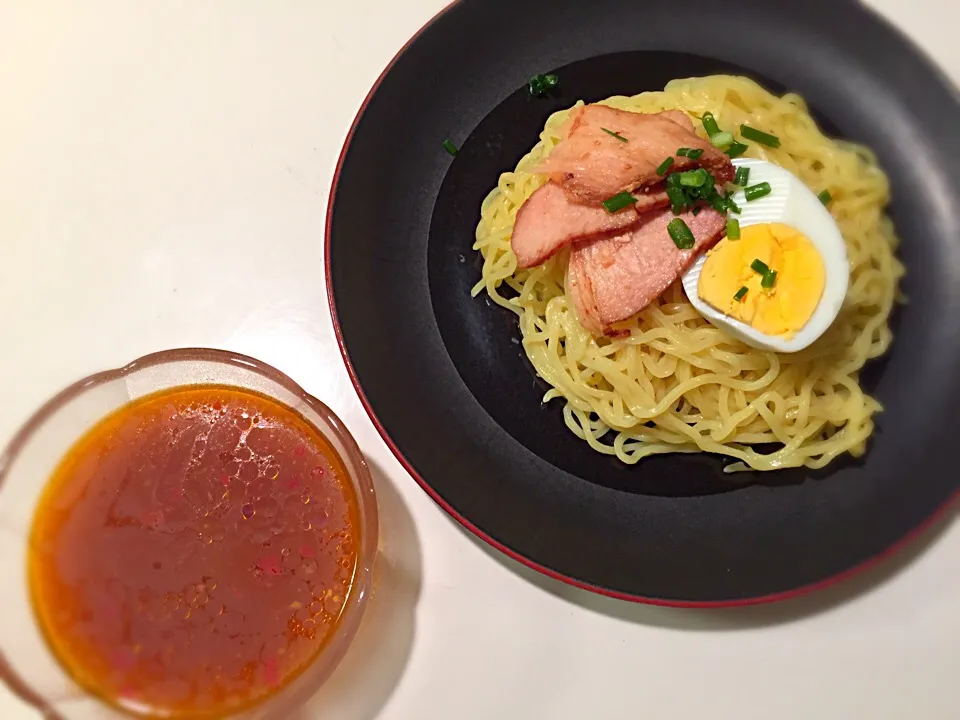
point(308, 568)
point(261, 536)
point(215, 609)
point(198, 597)
point(267, 506)
point(289, 562)
point(247, 511)
point(332, 603)
point(291, 506)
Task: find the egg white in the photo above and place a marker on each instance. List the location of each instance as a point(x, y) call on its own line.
point(791, 203)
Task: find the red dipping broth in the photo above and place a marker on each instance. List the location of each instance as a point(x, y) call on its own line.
point(193, 552)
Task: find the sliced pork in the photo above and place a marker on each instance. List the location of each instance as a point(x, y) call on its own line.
point(592, 165)
point(613, 278)
point(548, 220)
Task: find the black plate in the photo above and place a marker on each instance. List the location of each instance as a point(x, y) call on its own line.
point(449, 388)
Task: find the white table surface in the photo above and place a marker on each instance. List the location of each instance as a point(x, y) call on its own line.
point(164, 171)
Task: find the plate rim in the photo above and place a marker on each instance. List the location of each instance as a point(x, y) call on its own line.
point(908, 539)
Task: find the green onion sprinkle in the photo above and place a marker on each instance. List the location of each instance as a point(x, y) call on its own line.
point(736, 150)
point(760, 136)
point(619, 202)
point(755, 192)
point(681, 234)
point(664, 166)
point(692, 153)
point(617, 135)
point(731, 205)
point(721, 139)
point(694, 178)
point(710, 124)
point(760, 267)
point(733, 229)
point(541, 85)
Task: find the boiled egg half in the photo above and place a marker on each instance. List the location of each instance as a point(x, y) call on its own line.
point(779, 285)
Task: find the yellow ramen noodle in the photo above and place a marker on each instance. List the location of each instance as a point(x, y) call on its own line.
point(677, 383)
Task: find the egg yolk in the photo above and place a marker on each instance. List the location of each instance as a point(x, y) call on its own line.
point(781, 310)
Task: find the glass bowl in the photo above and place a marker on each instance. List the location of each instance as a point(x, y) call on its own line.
point(27, 664)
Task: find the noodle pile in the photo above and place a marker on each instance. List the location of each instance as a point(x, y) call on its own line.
point(677, 383)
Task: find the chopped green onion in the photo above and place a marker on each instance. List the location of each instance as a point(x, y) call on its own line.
point(760, 267)
point(692, 153)
point(741, 293)
point(743, 176)
point(541, 85)
point(687, 189)
point(664, 166)
point(825, 197)
point(678, 200)
point(450, 147)
point(733, 229)
point(769, 280)
point(731, 205)
point(696, 211)
point(618, 136)
point(760, 136)
point(694, 178)
point(755, 192)
point(718, 202)
point(721, 139)
point(681, 234)
point(706, 190)
point(736, 150)
point(710, 124)
point(619, 202)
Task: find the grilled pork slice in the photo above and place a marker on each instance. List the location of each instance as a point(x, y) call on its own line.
point(592, 165)
point(548, 220)
point(613, 278)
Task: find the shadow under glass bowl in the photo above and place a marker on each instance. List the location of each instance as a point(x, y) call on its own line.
point(27, 664)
